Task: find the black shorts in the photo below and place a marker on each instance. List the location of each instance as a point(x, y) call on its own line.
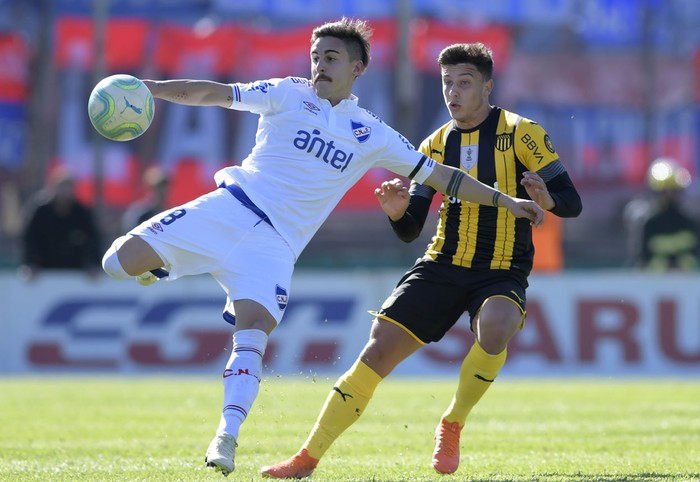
point(430, 297)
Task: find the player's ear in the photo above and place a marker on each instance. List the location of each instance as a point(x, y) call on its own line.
point(488, 87)
point(358, 68)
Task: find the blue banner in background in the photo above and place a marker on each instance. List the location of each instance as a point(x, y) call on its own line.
point(290, 12)
point(616, 23)
point(280, 11)
point(154, 9)
point(539, 12)
point(12, 134)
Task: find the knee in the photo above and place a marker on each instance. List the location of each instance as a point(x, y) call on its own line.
point(388, 346)
point(110, 261)
point(494, 333)
point(251, 315)
point(374, 355)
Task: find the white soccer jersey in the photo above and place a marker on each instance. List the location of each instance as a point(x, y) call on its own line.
point(308, 154)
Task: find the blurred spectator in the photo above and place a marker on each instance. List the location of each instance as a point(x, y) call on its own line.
point(61, 233)
point(154, 202)
point(662, 235)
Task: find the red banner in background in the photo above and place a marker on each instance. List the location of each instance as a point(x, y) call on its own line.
point(384, 43)
point(429, 37)
point(14, 74)
point(125, 43)
point(199, 50)
point(116, 191)
point(266, 54)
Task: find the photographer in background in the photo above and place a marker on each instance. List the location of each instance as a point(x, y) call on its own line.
point(662, 235)
point(61, 233)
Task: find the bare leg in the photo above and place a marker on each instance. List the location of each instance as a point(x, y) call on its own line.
point(388, 345)
point(251, 315)
point(136, 256)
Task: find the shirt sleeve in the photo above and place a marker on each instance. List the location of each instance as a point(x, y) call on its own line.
point(567, 201)
point(259, 97)
point(402, 158)
point(533, 145)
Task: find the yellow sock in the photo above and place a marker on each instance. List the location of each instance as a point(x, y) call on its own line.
point(344, 405)
point(479, 370)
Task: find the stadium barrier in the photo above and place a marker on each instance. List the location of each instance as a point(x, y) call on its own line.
point(580, 324)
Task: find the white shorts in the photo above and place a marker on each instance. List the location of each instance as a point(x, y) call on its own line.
point(216, 234)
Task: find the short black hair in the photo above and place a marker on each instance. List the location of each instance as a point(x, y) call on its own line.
point(477, 54)
point(354, 33)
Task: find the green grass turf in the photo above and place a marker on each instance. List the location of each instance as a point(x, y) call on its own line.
point(158, 428)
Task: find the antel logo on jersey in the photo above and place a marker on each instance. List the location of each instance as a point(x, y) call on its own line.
point(360, 131)
point(322, 149)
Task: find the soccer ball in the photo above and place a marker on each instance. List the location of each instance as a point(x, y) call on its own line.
point(121, 107)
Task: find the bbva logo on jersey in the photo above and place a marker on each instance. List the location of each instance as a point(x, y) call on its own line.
point(360, 131)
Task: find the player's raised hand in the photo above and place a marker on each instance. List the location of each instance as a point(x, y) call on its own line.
point(393, 197)
point(524, 208)
point(537, 189)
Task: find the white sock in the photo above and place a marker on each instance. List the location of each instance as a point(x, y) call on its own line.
point(242, 378)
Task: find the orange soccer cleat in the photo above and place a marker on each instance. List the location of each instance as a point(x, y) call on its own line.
point(446, 453)
point(299, 466)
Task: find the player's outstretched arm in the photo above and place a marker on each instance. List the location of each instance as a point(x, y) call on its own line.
point(456, 183)
point(191, 92)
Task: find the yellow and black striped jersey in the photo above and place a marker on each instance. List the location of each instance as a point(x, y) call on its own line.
point(496, 153)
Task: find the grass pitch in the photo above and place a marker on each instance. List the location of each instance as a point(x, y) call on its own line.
point(158, 428)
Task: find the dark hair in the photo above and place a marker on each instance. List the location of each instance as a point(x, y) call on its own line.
point(477, 54)
point(354, 33)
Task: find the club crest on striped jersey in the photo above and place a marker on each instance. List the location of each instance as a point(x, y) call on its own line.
point(504, 141)
point(281, 296)
point(468, 155)
point(360, 131)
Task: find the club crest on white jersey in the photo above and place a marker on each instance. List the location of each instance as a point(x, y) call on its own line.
point(282, 297)
point(360, 131)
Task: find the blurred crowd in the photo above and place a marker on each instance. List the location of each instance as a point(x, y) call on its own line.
point(614, 83)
